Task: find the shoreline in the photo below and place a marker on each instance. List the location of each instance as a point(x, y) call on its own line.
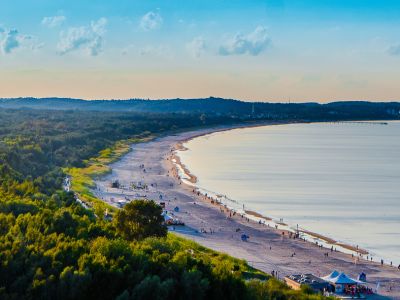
point(182, 169)
point(211, 225)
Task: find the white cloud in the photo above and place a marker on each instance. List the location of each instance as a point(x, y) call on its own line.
point(253, 43)
point(87, 38)
point(37, 46)
point(99, 26)
point(54, 21)
point(161, 51)
point(150, 51)
point(197, 46)
point(153, 50)
point(151, 20)
point(394, 50)
point(10, 40)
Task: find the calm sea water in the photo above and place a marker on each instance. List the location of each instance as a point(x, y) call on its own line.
point(338, 179)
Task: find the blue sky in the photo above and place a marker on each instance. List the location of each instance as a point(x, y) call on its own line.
point(272, 50)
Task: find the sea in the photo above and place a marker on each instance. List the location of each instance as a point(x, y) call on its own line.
point(341, 180)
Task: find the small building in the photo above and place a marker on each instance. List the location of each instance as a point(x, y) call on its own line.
point(314, 282)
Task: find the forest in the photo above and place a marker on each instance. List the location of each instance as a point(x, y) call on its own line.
point(234, 109)
point(53, 248)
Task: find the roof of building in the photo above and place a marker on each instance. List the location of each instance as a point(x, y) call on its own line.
point(308, 279)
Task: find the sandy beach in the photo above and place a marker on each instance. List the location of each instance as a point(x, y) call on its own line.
point(150, 171)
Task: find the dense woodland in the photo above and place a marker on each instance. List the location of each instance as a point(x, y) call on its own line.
point(345, 110)
point(53, 248)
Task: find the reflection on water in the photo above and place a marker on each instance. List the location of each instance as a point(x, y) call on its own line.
point(338, 179)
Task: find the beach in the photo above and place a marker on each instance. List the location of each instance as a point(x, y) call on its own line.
point(152, 170)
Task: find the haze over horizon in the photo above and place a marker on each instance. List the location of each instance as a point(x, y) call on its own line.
point(271, 50)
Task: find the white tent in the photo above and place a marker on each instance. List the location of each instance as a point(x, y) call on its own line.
point(343, 279)
point(331, 275)
point(166, 216)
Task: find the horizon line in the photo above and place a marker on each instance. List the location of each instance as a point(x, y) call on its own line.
point(203, 98)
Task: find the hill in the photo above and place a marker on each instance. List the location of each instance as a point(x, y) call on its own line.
point(346, 110)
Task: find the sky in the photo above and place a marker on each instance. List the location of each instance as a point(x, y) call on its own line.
point(270, 50)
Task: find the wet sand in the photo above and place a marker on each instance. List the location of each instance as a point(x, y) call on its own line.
point(150, 168)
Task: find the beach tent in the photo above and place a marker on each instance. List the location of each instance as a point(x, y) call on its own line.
point(168, 219)
point(331, 276)
point(166, 216)
point(343, 279)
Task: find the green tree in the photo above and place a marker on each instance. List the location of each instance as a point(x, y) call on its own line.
point(140, 219)
point(153, 288)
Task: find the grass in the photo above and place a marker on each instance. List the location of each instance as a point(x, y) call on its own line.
point(219, 261)
point(261, 285)
point(82, 179)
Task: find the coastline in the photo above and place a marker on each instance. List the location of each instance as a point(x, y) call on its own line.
point(183, 173)
point(210, 224)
